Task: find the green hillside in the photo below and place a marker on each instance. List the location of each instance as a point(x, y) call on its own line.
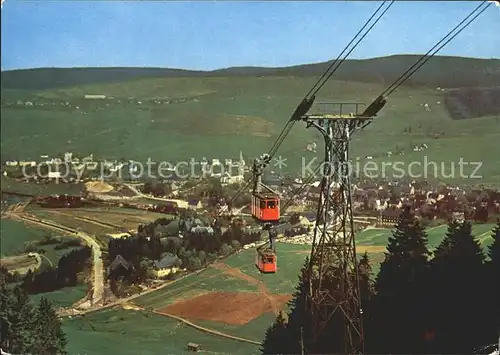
point(439, 71)
point(178, 117)
point(217, 117)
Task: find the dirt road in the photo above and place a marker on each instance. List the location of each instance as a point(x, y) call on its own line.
point(98, 290)
point(143, 195)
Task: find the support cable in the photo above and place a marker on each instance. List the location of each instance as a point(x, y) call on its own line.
point(436, 48)
point(308, 100)
point(357, 43)
point(380, 101)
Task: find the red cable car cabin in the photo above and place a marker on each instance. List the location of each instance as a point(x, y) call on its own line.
point(266, 207)
point(266, 260)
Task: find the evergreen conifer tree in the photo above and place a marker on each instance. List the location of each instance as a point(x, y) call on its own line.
point(17, 321)
point(276, 336)
point(494, 275)
point(458, 274)
point(297, 319)
point(494, 250)
point(26, 330)
point(365, 279)
point(49, 337)
point(6, 302)
point(397, 314)
point(22, 329)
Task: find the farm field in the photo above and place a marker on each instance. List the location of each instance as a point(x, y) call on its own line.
point(127, 218)
point(247, 114)
point(68, 221)
point(99, 220)
point(233, 296)
point(11, 185)
point(15, 236)
point(138, 332)
point(64, 297)
point(236, 278)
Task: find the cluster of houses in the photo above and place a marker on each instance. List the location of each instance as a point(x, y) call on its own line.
point(384, 200)
point(69, 158)
point(229, 171)
point(169, 264)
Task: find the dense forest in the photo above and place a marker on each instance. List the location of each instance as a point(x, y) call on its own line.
point(445, 302)
point(473, 102)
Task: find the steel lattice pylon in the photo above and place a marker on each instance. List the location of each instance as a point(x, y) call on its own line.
point(333, 251)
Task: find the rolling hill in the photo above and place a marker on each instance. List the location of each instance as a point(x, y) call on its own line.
point(178, 115)
point(439, 71)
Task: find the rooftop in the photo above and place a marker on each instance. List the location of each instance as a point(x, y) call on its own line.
point(168, 260)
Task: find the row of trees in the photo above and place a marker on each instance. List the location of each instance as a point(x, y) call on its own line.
point(420, 302)
point(69, 267)
point(157, 189)
point(26, 328)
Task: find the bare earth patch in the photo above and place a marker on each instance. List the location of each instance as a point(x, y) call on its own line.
point(370, 248)
point(98, 187)
point(274, 301)
point(235, 308)
point(21, 263)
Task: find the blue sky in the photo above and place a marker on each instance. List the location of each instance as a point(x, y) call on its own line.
point(210, 35)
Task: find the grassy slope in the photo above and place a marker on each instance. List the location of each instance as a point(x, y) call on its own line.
point(234, 114)
point(132, 332)
point(15, 235)
point(290, 261)
point(64, 297)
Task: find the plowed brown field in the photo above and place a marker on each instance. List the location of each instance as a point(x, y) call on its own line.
point(236, 308)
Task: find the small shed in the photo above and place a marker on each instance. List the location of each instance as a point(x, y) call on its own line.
point(193, 347)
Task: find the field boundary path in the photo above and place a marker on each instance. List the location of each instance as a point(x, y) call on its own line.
point(139, 194)
point(196, 326)
point(208, 330)
point(98, 274)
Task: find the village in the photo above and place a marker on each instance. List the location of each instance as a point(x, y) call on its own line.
point(379, 199)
